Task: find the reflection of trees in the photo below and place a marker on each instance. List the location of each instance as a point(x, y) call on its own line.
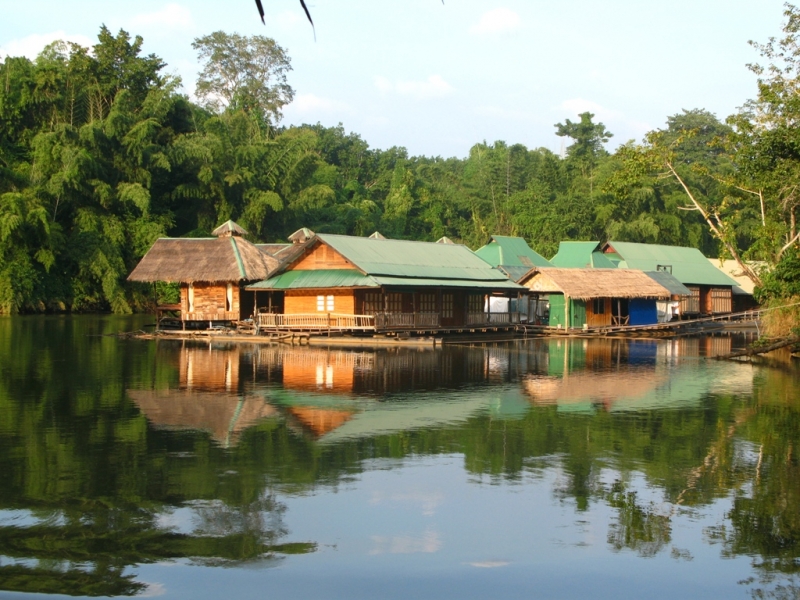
point(86, 552)
point(639, 528)
point(87, 455)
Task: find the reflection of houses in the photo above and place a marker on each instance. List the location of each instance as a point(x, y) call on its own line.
point(344, 283)
point(212, 273)
point(710, 288)
point(224, 416)
point(621, 375)
point(332, 395)
point(600, 297)
point(209, 395)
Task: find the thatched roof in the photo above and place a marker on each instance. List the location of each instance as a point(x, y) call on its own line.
point(224, 416)
point(301, 236)
point(187, 260)
point(229, 228)
point(273, 249)
point(585, 284)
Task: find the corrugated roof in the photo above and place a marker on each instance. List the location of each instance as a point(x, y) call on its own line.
point(504, 284)
point(509, 251)
point(402, 258)
point(323, 278)
point(585, 284)
point(187, 260)
point(675, 287)
point(688, 265)
point(514, 273)
point(581, 255)
point(337, 278)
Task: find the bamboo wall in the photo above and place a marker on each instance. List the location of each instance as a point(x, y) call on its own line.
point(210, 300)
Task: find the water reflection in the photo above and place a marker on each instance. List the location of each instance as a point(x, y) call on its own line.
point(117, 454)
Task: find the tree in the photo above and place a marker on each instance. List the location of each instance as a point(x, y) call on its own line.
point(247, 73)
point(588, 145)
point(766, 142)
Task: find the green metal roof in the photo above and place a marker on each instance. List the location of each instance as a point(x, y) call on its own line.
point(328, 278)
point(672, 285)
point(509, 251)
point(581, 255)
point(514, 273)
point(337, 278)
point(402, 258)
point(688, 265)
point(505, 284)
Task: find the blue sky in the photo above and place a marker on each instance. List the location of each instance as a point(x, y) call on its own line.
point(439, 78)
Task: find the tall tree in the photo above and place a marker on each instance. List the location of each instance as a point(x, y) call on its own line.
point(247, 73)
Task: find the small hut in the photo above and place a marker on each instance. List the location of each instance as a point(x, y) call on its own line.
point(600, 297)
point(212, 273)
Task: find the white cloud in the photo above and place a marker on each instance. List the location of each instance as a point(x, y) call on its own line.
point(428, 542)
point(310, 103)
point(489, 564)
point(171, 17)
point(32, 45)
point(497, 21)
point(433, 87)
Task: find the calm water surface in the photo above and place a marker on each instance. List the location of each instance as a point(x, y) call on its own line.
point(541, 469)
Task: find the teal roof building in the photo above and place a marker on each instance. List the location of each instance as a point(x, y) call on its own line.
point(512, 255)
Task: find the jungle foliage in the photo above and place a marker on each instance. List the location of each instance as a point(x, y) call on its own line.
point(101, 154)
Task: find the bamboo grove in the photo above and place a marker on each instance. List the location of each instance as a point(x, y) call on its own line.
point(101, 153)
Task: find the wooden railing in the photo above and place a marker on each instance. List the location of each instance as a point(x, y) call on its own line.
point(483, 318)
point(315, 321)
point(419, 320)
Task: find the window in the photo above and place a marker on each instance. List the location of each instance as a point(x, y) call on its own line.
point(325, 303)
point(447, 306)
point(190, 295)
point(599, 306)
point(229, 298)
point(394, 303)
point(373, 303)
point(664, 268)
point(475, 303)
point(427, 303)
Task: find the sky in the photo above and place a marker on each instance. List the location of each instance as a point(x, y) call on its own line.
point(437, 78)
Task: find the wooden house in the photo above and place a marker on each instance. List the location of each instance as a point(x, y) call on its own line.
point(743, 290)
point(212, 273)
point(590, 298)
point(345, 283)
point(711, 289)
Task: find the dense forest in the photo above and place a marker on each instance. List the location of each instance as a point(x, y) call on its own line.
point(101, 153)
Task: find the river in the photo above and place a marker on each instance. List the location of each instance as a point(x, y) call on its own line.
point(537, 469)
